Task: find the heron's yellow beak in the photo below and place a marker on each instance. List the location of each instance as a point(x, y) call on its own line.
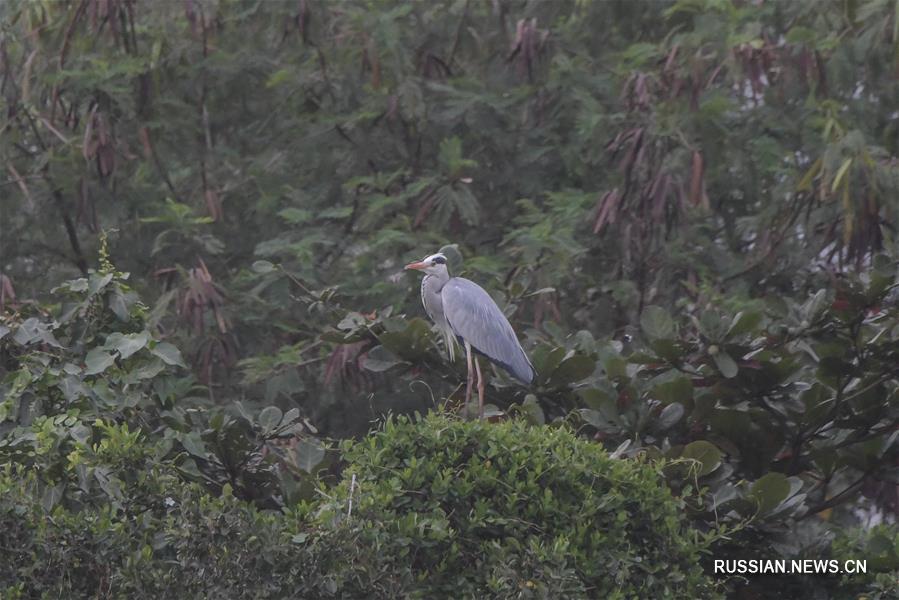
point(418, 266)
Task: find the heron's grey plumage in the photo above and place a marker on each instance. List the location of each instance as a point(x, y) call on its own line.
point(463, 310)
point(473, 316)
point(431, 298)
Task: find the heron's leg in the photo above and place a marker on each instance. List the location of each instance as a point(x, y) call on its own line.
point(477, 367)
point(470, 379)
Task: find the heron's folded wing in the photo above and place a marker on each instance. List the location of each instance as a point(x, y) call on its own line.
point(474, 316)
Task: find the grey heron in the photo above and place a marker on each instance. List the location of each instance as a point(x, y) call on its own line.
point(463, 311)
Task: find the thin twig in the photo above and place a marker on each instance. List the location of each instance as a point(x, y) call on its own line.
point(349, 511)
point(22, 186)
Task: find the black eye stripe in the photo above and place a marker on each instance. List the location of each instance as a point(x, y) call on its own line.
point(439, 260)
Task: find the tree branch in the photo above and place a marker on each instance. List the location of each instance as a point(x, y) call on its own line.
point(79, 259)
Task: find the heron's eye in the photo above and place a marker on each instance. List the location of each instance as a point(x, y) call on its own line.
point(439, 260)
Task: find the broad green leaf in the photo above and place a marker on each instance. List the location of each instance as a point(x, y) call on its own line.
point(146, 371)
point(708, 456)
point(770, 490)
point(119, 305)
point(194, 444)
point(52, 496)
point(615, 367)
point(127, 344)
point(291, 415)
point(572, 369)
point(351, 321)
point(81, 433)
point(723, 495)
point(532, 410)
point(670, 415)
point(744, 322)
point(32, 330)
point(593, 397)
point(97, 361)
point(262, 267)
point(622, 447)
point(410, 342)
point(656, 323)
point(97, 282)
point(309, 454)
point(813, 307)
point(270, 418)
point(169, 354)
point(725, 364)
point(667, 349)
point(379, 359)
point(545, 359)
point(677, 389)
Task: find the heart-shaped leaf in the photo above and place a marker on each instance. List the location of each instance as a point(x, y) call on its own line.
point(169, 354)
point(97, 361)
point(309, 455)
point(127, 344)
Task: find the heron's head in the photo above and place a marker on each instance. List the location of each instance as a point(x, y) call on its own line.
point(434, 264)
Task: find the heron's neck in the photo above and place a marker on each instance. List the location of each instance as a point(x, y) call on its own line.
point(435, 281)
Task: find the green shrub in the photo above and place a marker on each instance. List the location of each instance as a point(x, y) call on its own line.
point(182, 543)
point(442, 509)
point(879, 548)
point(508, 510)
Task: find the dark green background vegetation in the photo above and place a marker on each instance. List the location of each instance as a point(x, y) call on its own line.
point(687, 209)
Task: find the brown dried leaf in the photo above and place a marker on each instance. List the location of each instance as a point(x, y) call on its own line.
point(425, 209)
point(630, 159)
point(671, 56)
point(697, 182)
point(202, 295)
point(302, 19)
point(526, 46)
point(213, 205)
point(607, 210)
point(7, 292)
point(144, 135)
point(660, 196)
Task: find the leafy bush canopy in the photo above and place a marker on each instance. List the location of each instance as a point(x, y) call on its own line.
point(434, 508)
point(493, 509)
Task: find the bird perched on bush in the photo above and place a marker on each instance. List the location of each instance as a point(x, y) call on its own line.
point(465, 312)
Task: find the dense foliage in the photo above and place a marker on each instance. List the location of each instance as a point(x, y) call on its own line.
point(688, 212)
point(108, 490)
point(488, 510)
